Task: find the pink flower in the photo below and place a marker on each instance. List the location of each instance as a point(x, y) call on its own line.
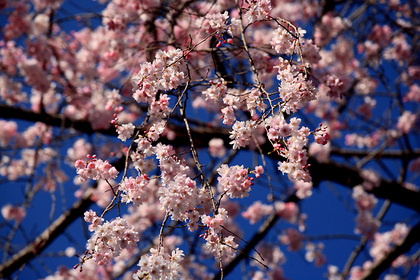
point(217, 147)
point(241, 133)
point(406, 122)
point(125, 131)
point(95, 169)
point(109, 238)
point(256, 211)
point(258, 10)
point(160, 265)
point(292, 238)
point(234, 180)
point(288, 211)
point(314, 254)
point(258, 171)
point(15, 213)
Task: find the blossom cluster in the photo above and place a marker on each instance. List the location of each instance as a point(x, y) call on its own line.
point(164, 73)
point(160, 265)
point(234, 180)
point(383, 242)
point(10, 212)
point(217, 90)
point(224, 248)
point(258, 10)
point(380, 247)
point(125, 131)
point(293, 238)
point(241, 133)
point(134, 189)
point(283, 41)
point(293, 138)
point(109, 238)
point(95, 169)
point(295, 89)
point(216, 221)
point(219, 23)
point(256, 211)
point(217, 148)
point(314, 253)
point(366, 223)
point(181, 197)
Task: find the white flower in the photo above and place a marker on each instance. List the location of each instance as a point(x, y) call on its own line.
point(125, 131)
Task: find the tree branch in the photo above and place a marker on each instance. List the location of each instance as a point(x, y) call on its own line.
point(350, 177)
point(10, 112)
point(385, 262)
point(35, 248)
point(331, 171)
point(244, 253)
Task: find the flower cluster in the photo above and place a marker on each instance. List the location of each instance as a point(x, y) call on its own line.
point(303, 189)
point(366, 224)
point(134, 189)
point(258, 10)
point(9, 129)
point(241, 133)
point(180, 198)
point(413, 95)
point(289, 211)
point(256, 211)
point(160, 265)
point(294, 152)
point(322, 139)
point(217, 148)
point(282, 41)
point(371, 179)
point(314, 254)
point(95, 169)
point(406, 122)
point(293, 238)
point(295, 89)
point(218, 22)
point(273, 258)
point(109, 238)
point(234, 180)
point(217, 90)
point(382, 242)
point(16, 213)
point(224, 248)
point(216, 221)
point(253, 101)
point(125, 131)
point(228, 115)
point(164, 73)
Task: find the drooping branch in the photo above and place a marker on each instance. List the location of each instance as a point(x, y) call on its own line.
point(45, 238)
point(244, 253)
point(330, 171)
point(268, 224)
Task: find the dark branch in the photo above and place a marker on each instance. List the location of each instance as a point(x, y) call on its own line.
point(385, 262)
point(36, 247)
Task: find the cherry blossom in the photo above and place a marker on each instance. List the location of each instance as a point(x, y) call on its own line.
point(198, 111)
point(15, 213)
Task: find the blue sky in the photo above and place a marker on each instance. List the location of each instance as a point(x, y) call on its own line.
point(330, 210)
